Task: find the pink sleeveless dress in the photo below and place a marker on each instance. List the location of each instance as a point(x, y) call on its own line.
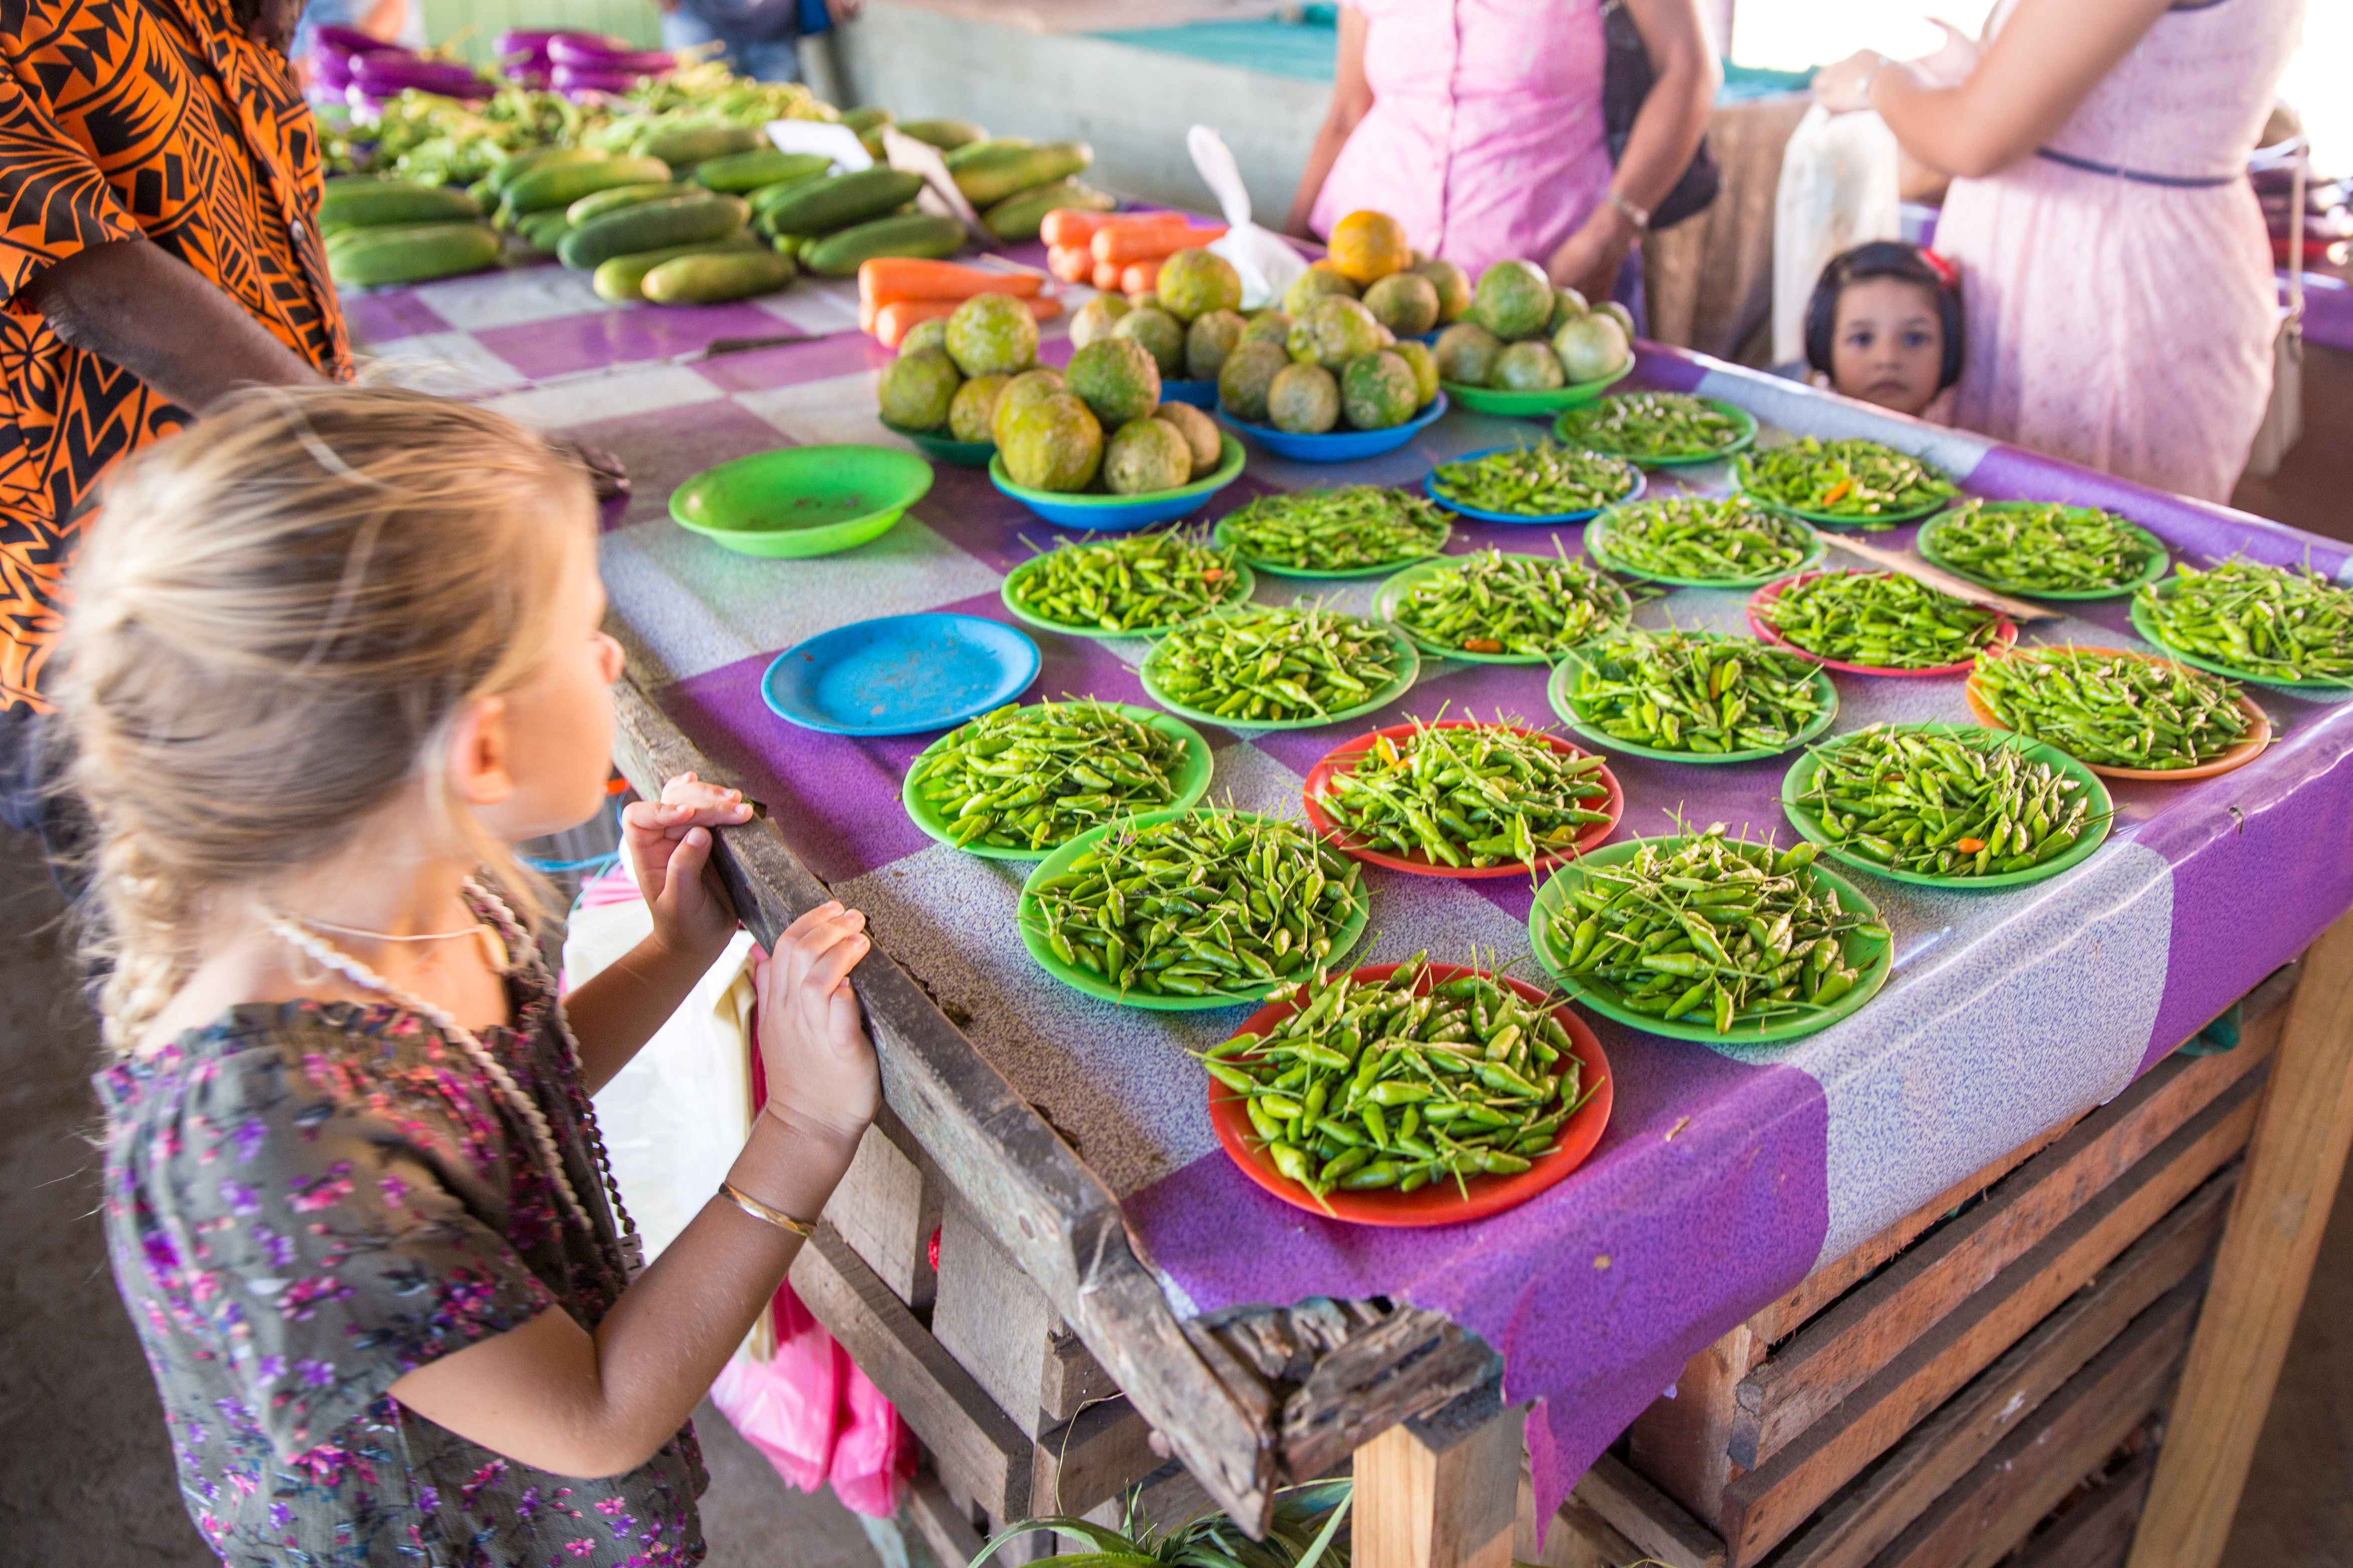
point(2116, 322)
point(1486, 137)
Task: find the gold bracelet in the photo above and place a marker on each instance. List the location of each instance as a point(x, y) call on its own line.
point(758, 1210)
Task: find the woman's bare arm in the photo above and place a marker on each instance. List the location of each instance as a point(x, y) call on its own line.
point(1352, 98)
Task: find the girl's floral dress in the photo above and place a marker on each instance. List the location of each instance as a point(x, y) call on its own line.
point(306, 1200)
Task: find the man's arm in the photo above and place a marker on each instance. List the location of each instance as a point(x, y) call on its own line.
point(134, 304)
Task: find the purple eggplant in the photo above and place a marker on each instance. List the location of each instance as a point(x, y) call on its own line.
point(384, 74)
point(575, 80)
point(524, 41)
point(589, 51)
point(351, 40)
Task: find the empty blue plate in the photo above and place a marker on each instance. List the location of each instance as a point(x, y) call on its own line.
point(900, 675)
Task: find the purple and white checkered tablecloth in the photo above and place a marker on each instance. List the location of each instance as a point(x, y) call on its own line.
point(1728, 1174)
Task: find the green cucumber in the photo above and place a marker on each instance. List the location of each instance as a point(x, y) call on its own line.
point(1018, 217)
point(613, 198)
point(351, 204)
point(917, 233)
point(947, 135)
point(823, 205)
point(741, 174)
point(414, 254)
point(484, 192)
point(523, 163)
point(650, 225)
point(683, 146)
point(567, 183)
point(866, 118)
point(985, 182)
point(543, 231)
point(993, 149)
point(716, 276)
point(622, 279)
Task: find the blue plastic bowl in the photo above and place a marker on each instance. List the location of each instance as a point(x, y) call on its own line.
point(1336, 446)
point(900, 675)
point(1429, 488)
point(1102, 513)
point(1199, 394)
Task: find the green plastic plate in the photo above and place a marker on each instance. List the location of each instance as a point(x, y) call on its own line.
point(1229, 465)
point(1223, 540)
point(1564, 676)
point(1192, 781)
point(2147, 628)
point(1839, 518)
point(799, 502)
point(1801, 775)
point(1874, 957)
point(1541, 404)
point(1596, 545)
point(1740, 442)
point(2159, 562)
point(942, 448)
point(1242, 574)
point(1402, 683)
point(1033, 929)
point(1392, 594)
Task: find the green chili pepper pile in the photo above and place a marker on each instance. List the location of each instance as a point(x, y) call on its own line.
point(1268, 666)
point(1850, 480)
point(1880, 618)
point(1703, 539)
point(1468, 795)
point(1703, 928)
point(1137, 582)
point(1036, 777)
point(1963, 804)
point(1694, 691)
point(1369, 1086)
point(1488, 602)
point(2112, 710)
point(1536, 480)
point(2271, 622)
point(2041, 547)
point(1648, 425)
point(1202, 904)
point(1352, 528)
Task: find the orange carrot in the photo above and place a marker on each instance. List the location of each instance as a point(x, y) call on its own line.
point(1072, 227)
point(1107, 275)
point(1139, 277)
point(892, 320)
point(887, 279)
point(1152, 234)
point(1071, 263)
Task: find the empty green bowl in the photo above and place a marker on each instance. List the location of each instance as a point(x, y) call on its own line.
point(801, 501)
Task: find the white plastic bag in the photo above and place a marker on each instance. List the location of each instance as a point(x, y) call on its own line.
point(1265, 260)
point(1840, 188)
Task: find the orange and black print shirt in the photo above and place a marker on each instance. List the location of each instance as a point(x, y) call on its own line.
point(119, 119)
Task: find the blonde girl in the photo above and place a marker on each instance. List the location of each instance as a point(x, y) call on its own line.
point(331, 652)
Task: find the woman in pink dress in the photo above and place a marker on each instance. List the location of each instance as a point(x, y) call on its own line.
point(2115, 266)
point(1477, 125)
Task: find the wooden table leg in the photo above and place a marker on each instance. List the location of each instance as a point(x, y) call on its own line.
point(2293, 1165)
point(1440, 1493)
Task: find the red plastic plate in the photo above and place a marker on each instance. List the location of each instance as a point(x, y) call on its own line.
point(1342, 757)
point(1440, 1202)
point(2005, 634)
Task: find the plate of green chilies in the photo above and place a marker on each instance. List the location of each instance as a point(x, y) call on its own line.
point(1644, 427)
point(1321, 655)
point(1533, 482)
point(1850, 483)
point(2193, 616)
point(1128, 912)
point(2043, 550)
point(1017, 783)
point(1332, 532)
point(1785, 699)
point(1681, 540)
point(1893, 799)
point(1428, 1132)
point(1169, 576)
point(1870, 615)
point(1622, 930)
point(2122, 713)
point(1491, 608)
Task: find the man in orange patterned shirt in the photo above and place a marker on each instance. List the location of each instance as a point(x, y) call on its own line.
point(159, 186)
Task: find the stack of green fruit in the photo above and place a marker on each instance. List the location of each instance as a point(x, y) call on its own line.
point(1190, 323)
point(1326, 361)
point(1522, 334)
point(831, 223)
point(400, 231)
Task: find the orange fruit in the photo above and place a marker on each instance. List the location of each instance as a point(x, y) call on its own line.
point(1368, 245)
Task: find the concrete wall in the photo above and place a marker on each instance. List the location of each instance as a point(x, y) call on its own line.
point(1132, 105)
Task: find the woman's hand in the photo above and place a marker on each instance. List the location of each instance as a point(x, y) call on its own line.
point(822, 1076)
point(1588, 261)
point(668, 845)
point(1844, 88)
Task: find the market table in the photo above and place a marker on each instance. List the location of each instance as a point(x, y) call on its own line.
point(1077, 1132)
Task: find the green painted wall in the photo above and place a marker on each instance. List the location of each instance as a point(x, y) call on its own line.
point(636, 20)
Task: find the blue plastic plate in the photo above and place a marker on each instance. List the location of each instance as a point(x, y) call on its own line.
point(1199, 394)
point(1336, 446)
point(900, 675)
point(1429, 488)
point(1104, 513)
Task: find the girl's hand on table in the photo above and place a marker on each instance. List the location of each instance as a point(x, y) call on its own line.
point(668, 845)
point(822, 1076)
